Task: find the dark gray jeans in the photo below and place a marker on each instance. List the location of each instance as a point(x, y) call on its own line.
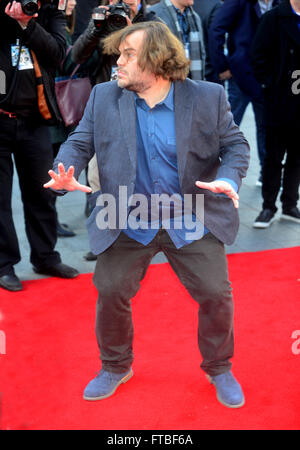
point(200, 266)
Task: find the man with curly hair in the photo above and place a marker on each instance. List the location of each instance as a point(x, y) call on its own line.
point(157, 133)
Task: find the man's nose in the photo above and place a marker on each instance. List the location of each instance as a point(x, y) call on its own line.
point(121, 60)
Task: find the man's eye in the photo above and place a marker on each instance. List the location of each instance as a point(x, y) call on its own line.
point(127, 55)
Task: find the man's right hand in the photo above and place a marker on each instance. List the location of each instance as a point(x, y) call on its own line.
point(65, 181)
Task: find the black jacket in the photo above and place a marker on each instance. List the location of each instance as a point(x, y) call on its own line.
point(90, 41)
point(45, 36)
point(275, 57)
point(236, 23)
point(84, 10)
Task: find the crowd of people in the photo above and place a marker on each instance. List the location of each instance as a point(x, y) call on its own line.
point(228, 42)
point(155, 50)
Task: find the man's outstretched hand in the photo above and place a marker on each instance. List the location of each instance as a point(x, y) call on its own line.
point(220, 187)
point(65, 181)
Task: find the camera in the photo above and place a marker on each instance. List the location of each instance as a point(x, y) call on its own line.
point(30, 7)
point(115, 15)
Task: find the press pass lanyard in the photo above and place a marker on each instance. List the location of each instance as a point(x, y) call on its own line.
point(14, 80)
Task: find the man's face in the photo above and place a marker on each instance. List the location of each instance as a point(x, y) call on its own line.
point(133, 5)
point(182, 4)
point(130, 75)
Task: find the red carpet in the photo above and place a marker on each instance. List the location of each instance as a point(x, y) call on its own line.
point(51, 353)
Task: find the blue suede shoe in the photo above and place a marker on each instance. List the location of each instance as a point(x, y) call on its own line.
point(229, 392)
point(105, 384)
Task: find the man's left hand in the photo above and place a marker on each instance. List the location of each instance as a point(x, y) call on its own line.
point(220, 187)
point(15, 11)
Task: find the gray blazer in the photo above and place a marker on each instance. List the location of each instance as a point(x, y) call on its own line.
point(209, 145)
point(162, 11)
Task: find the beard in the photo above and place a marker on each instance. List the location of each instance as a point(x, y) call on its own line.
point(138, 84)
point(135, 86)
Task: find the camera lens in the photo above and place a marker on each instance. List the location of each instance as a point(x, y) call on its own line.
point(117, 20)
point(29, 7)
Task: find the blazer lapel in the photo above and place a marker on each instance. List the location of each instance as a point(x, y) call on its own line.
point(183, 102)
point(257, 10)
point(128, 124)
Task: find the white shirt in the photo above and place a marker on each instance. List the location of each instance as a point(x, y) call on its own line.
point(265, 6)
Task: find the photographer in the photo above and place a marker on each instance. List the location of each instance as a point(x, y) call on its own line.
point(32, 45)
point(91, 40)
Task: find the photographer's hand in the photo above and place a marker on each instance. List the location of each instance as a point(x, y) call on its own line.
point(14, 10)
point(65, 181)
point(99, 16)
point(128, 21)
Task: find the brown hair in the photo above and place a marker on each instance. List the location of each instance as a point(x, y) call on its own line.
point(162, 53)
point(70, 22)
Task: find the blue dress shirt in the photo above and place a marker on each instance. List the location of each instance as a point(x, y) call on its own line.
point(157, 173)
point(183, 23)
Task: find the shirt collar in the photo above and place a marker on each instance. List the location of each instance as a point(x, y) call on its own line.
point(265, 6)
point(168, 101)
